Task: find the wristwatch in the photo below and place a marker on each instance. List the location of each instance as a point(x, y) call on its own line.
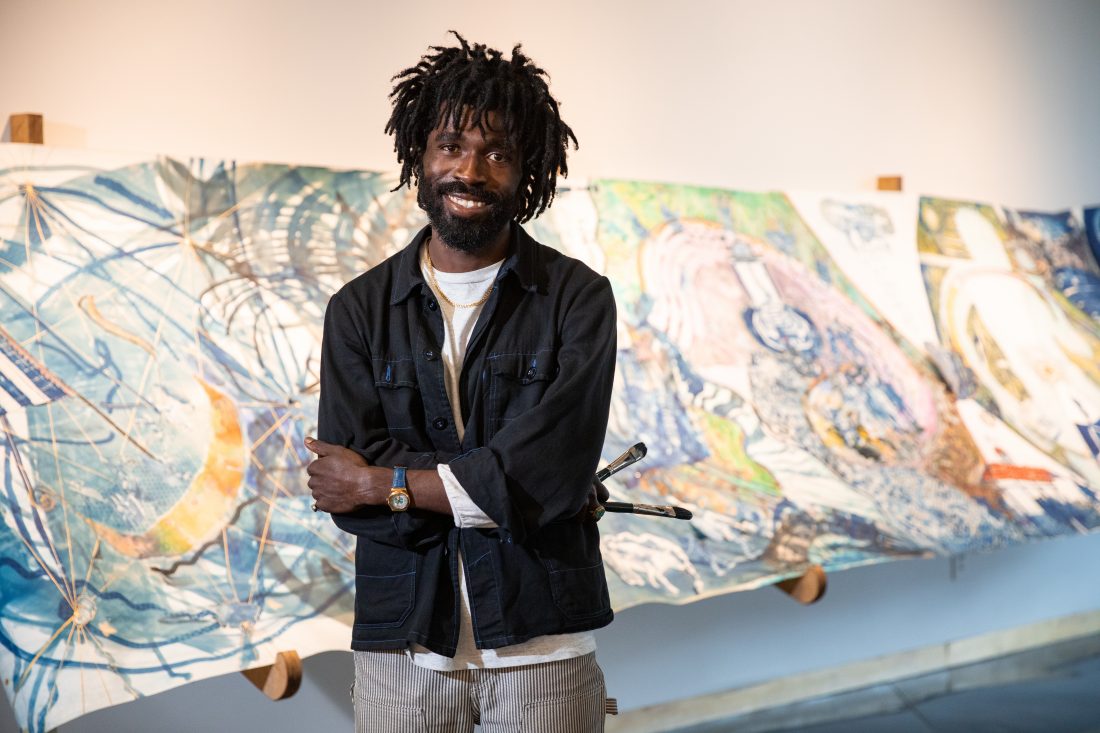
point(399, 499)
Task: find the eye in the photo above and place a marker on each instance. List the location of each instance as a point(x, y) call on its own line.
point(448, 147)
point(497, 157)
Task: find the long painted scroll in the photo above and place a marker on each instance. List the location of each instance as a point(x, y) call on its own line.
point(821, 379)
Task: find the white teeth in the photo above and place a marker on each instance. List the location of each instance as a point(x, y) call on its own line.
point(466, 203)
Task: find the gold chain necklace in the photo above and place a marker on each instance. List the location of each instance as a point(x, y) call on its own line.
point(439, 291)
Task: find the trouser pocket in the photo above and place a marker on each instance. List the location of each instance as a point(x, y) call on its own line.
point(577, 714)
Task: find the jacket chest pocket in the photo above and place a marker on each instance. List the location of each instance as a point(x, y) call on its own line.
point(398, 392)
point(518, 383)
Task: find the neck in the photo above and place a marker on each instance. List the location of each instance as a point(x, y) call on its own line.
point(446, 258)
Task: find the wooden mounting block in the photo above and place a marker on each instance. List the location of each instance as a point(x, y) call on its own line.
point(26, 128)
point(807, 588)
point(279, 680)
point(889, 183)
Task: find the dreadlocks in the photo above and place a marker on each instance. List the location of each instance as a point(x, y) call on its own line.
point(473, 79)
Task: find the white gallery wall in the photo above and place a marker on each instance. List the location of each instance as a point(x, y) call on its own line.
point(992, 100)
point(982, 98)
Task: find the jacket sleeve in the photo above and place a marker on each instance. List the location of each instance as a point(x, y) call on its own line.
point(538, 468)
point(350, 414)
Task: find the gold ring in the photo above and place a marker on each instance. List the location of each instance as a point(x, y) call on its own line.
point(598, 512)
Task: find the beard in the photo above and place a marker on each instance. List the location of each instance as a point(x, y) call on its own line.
point(465, 235)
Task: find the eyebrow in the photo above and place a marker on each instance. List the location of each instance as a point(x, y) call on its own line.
point(492, 138)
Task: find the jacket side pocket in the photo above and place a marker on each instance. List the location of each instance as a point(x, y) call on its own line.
point(385, 585)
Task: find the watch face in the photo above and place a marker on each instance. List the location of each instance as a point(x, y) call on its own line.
point(398, 501)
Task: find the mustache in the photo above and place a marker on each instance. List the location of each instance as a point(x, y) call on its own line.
point(476, 193)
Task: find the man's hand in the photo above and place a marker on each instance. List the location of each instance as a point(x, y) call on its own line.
point(339, 478)
point(593, 510)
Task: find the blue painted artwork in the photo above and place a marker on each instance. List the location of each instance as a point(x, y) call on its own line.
point(160, 325)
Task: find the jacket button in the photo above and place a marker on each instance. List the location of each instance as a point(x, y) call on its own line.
point(429, 355)
point(439, 423)
point(530, 372)
point(431, 305)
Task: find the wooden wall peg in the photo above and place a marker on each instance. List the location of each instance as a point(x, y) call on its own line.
point(26, 128)
point(889, 183)
point(279, 680)
point(807, 588)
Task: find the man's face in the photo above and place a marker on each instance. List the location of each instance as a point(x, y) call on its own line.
point(469, 182)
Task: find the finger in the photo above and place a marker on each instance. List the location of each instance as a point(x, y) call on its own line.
point(318, 447)
point(602, 494)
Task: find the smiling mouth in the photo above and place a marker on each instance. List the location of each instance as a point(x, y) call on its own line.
point(466, 203)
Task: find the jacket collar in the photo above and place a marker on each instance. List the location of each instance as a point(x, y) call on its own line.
point(522, 259)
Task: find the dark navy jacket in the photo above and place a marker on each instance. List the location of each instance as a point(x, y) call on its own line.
point(536, 389)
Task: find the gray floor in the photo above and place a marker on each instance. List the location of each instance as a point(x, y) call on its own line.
point(1051, 690)
point(1067, 702)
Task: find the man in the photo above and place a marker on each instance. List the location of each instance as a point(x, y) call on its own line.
point(465, 387)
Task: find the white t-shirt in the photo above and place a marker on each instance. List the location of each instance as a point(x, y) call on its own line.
point(458, 326)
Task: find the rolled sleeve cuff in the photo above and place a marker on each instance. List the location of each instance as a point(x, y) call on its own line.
point(466, 513)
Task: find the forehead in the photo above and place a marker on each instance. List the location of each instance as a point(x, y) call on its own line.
point(490, 125)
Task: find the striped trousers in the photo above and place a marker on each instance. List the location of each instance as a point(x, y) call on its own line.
point(393, 695)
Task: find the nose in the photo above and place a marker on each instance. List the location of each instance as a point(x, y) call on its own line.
point(471, 169)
